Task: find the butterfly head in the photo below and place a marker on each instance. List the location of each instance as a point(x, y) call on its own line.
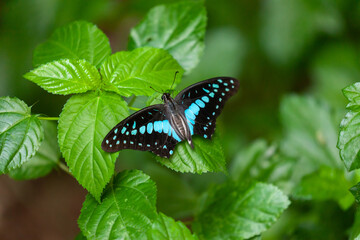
point(166, 97)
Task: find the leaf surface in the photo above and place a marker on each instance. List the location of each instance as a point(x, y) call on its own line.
point(45, 159)
point(20, 133)
point(178, 28)
point(166, 228)
point(135, 72)
point(237, 211)
point(66, 76)
point(310, 132)
point(207, 156)
point(127, 210)
point(77, 40)
point(326, 184)
point(83, 124)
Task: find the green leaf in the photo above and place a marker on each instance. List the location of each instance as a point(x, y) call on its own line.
point(207, 156)
point(355, 229)
point(310, 132)
point(352, 93)
point(349, 140)
point(355, 190)
point(262, 162)
point(326, 184)
point(66, 76)
point(178, 28)
point(136, 71)
point(20, 133)
point(237, 211)
point(83, 124)
point(45, 159)
point(77, 40)
point(127, 210)
point(154, 99)
point(166, 228)
point(80, 236)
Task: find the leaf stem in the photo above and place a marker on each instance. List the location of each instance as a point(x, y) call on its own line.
point(49, 118)
point(134, 108)
point(63, 167)
point(131, 102)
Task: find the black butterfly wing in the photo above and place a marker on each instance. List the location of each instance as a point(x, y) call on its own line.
point(203, 101)
point(145, 130)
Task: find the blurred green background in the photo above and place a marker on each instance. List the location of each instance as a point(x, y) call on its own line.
point(274, 47)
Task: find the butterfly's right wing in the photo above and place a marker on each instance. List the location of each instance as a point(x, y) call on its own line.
point(203, 101)
point(145, 130)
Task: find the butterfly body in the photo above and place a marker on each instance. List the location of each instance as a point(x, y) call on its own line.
point(160, 127)
point(177, 119)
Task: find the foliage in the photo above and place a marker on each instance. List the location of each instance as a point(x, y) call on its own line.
point(308, 48)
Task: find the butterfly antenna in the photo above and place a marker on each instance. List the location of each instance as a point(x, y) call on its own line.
point(174, 80)
point(154, 89)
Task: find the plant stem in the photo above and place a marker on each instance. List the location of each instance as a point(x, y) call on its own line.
point(63, 167)
point(49, 118)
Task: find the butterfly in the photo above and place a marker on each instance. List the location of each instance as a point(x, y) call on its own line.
point(158, 128)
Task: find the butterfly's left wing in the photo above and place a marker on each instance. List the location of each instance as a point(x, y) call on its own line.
point(145, 130)
point(203, 101)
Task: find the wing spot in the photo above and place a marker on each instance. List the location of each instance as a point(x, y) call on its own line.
point(205, 136)
point(148, 145)
point(123, 130)
point(171, 152)
point(107, 141)
point(127, 133)
point(207, 91)
point(131, 142)
point(164, 147)
point(220, 99)
point(142, 129)
point(158, 126)
point(194, 108)
point(200, 103)
point(110, 145)
point(223, 94)
point(225, 84)
point(205, 99)
point(116, 130)
point(220, 81)
point(149, 128)
point(133, 132)
point(232, 81)
point(226, 89)
point(166, 126)
point(213, 113)
point(215, 90)
point(140, 144)
point(217, 106)
point(215, 85)
point(212, 94)
point(232, 86)
point(114, 137)
point(134, 125)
